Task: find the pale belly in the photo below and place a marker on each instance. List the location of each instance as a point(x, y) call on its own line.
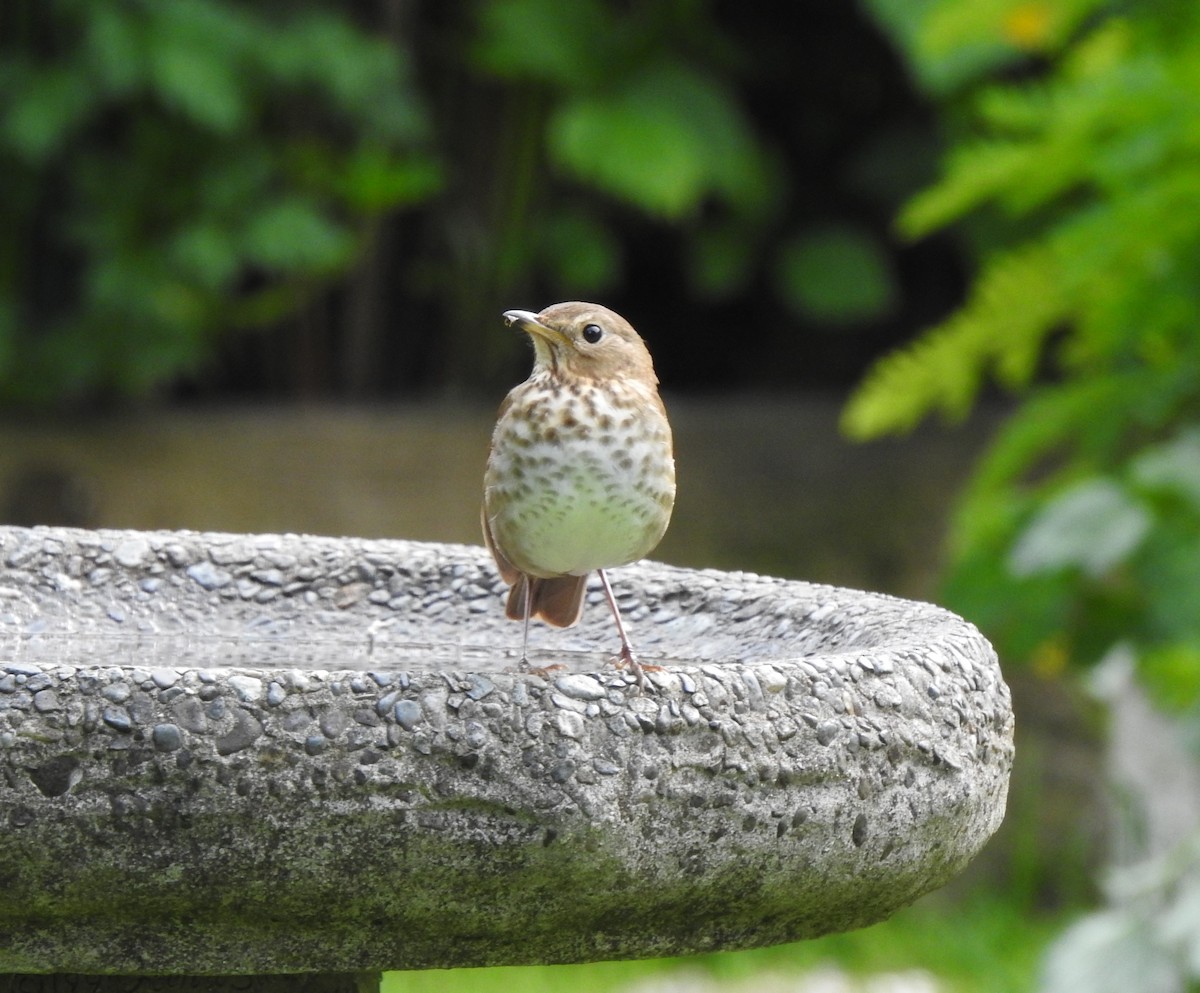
point(582, 499)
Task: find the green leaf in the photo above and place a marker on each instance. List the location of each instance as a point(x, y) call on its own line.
point(361, 76)
point(563, 44)
point(195, 64)
point(635, 146)
point(662, 142)
point(206, 254)
point(375, 180)
point(52, 105)
point(837, 274)
point(1093, 526)
point(294, 234)
point(115, 48)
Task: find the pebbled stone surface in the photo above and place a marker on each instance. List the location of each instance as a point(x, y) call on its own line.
point(282, 754)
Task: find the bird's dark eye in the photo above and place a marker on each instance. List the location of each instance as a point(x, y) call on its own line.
point(592, 333)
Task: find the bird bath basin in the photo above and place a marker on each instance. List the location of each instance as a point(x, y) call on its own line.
point(279, 755)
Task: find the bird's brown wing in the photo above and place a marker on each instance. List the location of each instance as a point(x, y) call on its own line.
point(508, 572)
point(558, 600)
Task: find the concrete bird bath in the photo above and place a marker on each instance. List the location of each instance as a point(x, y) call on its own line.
point(281, 756)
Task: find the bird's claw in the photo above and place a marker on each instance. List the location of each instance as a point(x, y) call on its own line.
point(625, 659)
point(545, 671)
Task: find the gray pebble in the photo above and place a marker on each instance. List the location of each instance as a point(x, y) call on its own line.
point(481, 686)
point(189, 712)
point(117, 719)
point(166, 737)
point(210, 576)
point(39, 682)
point(569, 724)
point(248, 688)
point(408, 714)
point(334, 722)
point(246, 731)
point(580, 686)
point(566, 703)
point(131, 552)
point(827, 731)
point(771, 679)
point(247, 588)
point(21, 668)
point(116, 692)
point(887, 697)
point(297, 720)
point(46, 701)
point(387, 702)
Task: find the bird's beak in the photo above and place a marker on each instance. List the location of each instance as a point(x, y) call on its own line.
point(529, 323)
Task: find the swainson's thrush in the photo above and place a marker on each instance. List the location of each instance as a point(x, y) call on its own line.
point(580, 476)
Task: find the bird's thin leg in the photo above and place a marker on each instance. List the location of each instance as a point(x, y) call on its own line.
point(528, 610)
point(626, 656)
point(545, 671)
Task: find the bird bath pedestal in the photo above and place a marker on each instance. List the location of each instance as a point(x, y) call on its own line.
point(276, 761)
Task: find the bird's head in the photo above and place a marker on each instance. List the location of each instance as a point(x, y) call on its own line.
point(585, 340)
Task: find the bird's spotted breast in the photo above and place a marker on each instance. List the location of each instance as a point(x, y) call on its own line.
point(581, 483)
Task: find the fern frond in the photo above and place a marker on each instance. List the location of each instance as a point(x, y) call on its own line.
point(975, 173)
point(1017, 301)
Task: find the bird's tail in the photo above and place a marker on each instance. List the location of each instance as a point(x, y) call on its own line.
point(558, 601)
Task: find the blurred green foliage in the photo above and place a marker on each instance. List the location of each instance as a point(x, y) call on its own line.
point(1082, 525)
point(603, 107)
point(172, 169)
point(835, 274)
point(175, 171)
point(977, 945)
point(1078, 538)
point(640, 107)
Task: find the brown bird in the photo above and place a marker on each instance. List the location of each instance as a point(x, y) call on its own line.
point(580, 476)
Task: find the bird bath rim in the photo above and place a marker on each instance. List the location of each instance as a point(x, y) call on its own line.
point(824, 758)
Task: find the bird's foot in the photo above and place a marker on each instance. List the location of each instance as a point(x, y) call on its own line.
point(626, 659)
point(545, 671)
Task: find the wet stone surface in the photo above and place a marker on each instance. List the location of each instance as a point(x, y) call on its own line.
point(807, 759)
